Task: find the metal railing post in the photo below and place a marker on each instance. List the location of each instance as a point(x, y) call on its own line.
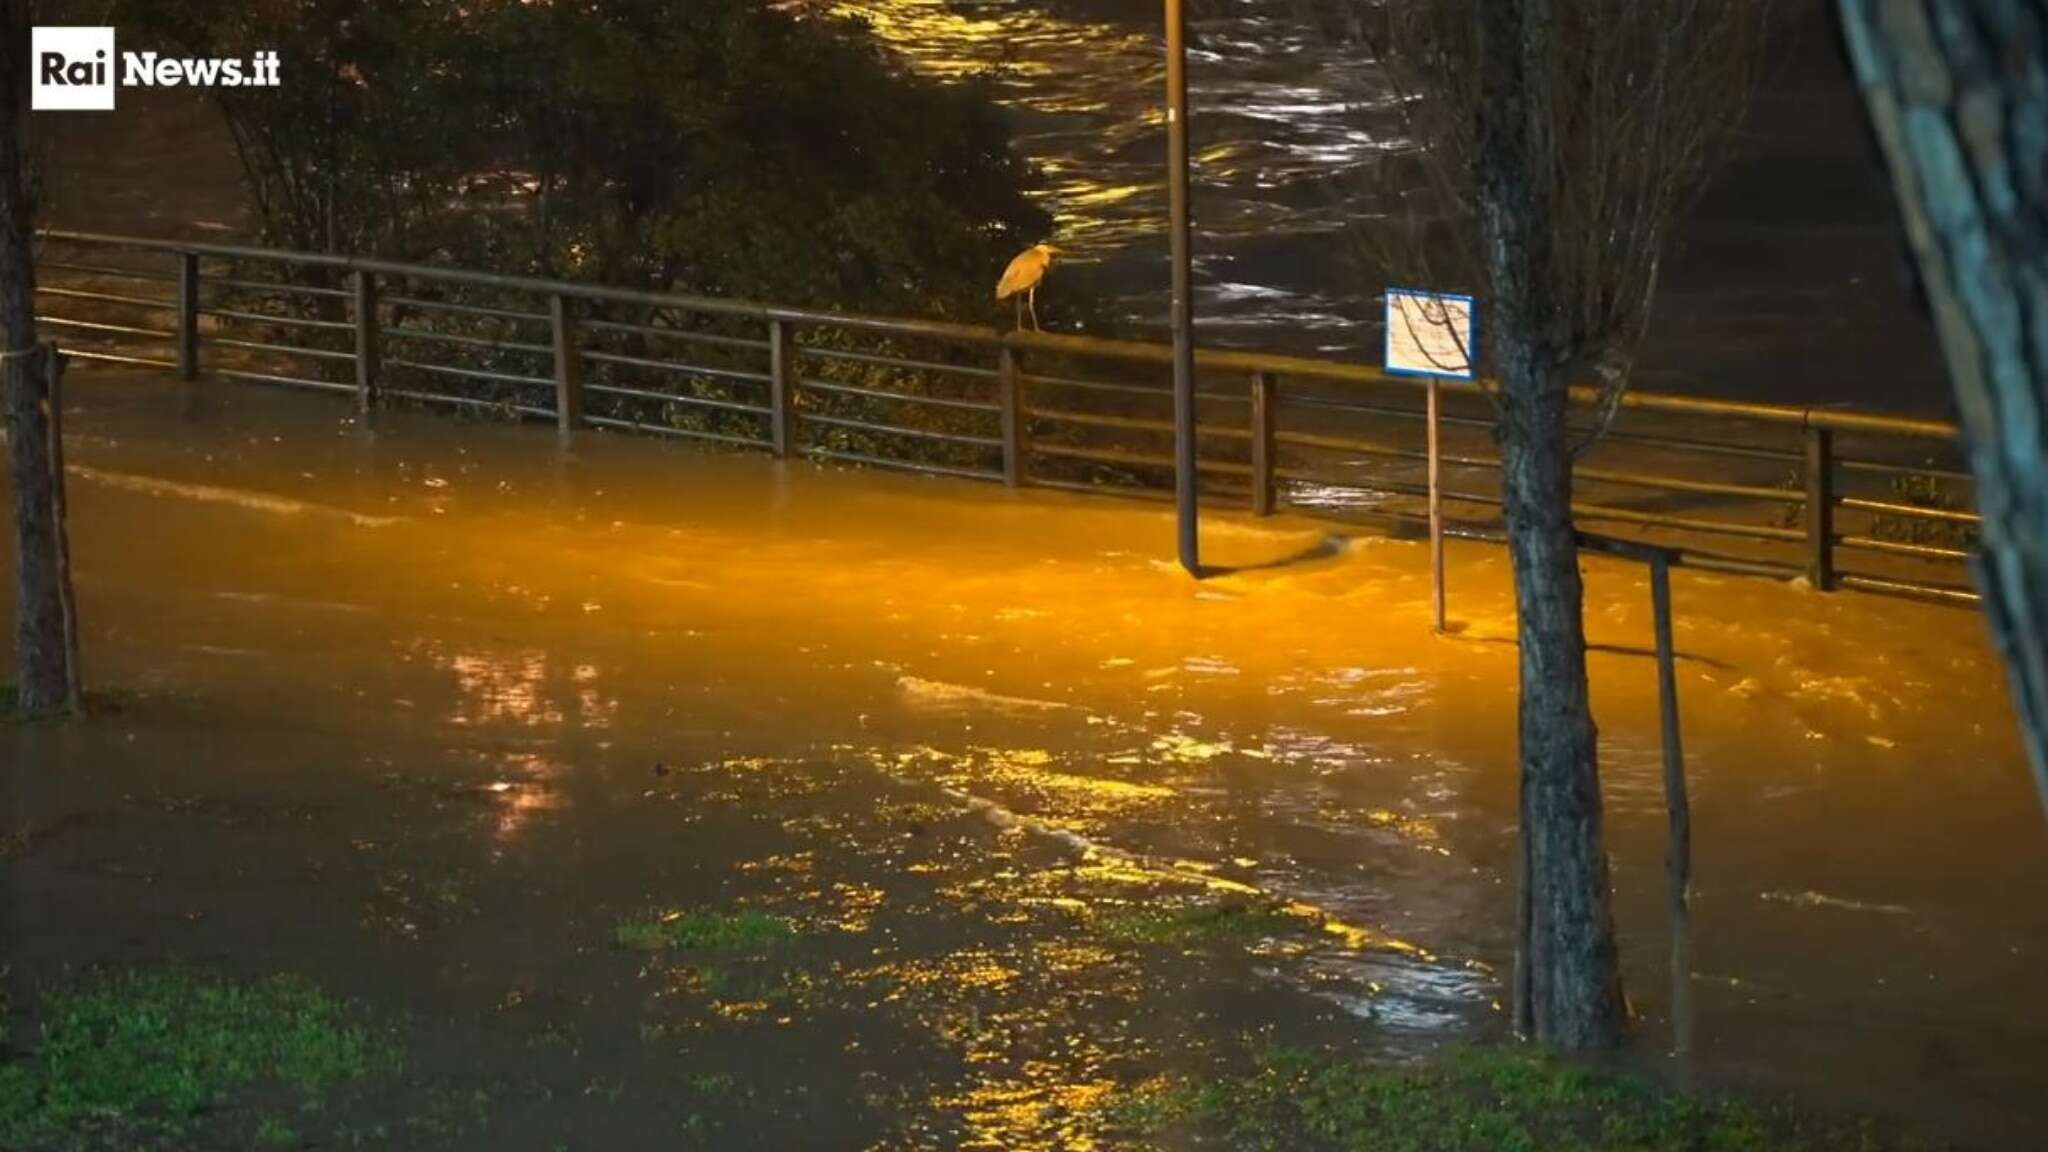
point(1011, 381)
point(568, 366)
point(1262, 443)
point(366, 340)
point(781, 389)
point(1436, 508)
point(1677, 807)
point(1820, 508)
point(188, 315)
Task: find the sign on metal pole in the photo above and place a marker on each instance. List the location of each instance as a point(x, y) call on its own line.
point(1185, 482)
point(1432, 334)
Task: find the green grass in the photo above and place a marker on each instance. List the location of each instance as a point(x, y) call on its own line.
point(1488, 1099)
point(1191, 926)
point(134, 1059)
point(704, 931)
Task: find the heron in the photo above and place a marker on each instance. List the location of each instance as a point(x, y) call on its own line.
point(1020, 280)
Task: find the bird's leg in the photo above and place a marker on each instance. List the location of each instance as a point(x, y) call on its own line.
point(1018, 301)
point(1031, 301)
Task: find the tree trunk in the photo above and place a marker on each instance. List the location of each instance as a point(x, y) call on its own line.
point(42, 672)
point(1568, 980)
point(1958, 93)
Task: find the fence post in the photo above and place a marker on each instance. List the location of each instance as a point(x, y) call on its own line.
point(1011, 380)
point(781, 389)
point(1436, 511)
point(568, 366)
point(366, 340)
point(1262, 443)
point(1677, 806)
point(1820, 508)
point(188, 316)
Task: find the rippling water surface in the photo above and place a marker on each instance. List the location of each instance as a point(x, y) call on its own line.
point(1786, 284)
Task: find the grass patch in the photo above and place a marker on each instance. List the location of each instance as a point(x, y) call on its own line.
point(1198, 925)
point(741, 933)
point(1489, 1099)
point(134, 1059)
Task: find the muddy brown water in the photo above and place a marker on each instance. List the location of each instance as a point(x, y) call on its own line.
point(423, 710)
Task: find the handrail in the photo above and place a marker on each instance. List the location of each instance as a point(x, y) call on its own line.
point(1138, 351)
point(978, 417)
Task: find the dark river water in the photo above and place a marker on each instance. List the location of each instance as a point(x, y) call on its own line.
point(1786, 285)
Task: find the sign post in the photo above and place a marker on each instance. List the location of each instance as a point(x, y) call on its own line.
point(1185, 481)
point(1430, 334)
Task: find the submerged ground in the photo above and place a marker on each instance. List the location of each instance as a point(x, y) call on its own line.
point(646, 793)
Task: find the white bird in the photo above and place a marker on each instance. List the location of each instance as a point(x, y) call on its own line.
point(1020, 279)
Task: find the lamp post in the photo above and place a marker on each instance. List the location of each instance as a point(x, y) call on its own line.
point(1183, 318)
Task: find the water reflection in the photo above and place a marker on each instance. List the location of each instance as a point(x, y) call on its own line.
point(521, 688)
point(529, 785)
point(1283, 116)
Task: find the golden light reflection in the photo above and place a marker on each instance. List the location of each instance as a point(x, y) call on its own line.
point(519, 688)
point(526, 787)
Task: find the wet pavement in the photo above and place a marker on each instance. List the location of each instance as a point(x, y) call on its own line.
point(427, 710)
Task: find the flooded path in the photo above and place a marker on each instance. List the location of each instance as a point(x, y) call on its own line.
point(427, 713)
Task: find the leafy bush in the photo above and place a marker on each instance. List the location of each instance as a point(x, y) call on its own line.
point(723, 147)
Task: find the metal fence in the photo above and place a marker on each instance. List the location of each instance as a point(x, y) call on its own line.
point(1839, 498)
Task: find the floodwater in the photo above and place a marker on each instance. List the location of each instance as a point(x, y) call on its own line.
point(1786, 284)
point(424, 710)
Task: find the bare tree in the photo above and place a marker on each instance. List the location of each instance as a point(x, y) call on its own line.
point(1551, 149)
point(1958, 95)
point(28, 371)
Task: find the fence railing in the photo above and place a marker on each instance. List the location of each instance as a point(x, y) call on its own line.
point(1840, 498)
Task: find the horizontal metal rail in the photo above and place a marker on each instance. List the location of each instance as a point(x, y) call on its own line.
point(471, 373)
point(1137, 459)
point(896, 362)
point(812, 385)
point(279, 378)
point(1914, 511)
point(694, 369)
point(465, 309)
point(1152, 391)
point(117, 358)
point(1299, 430)
point(108, 297)
point(1132, 423)
point(280, 349)
point(897, 430)
point(104, 270)
point(1882, 468)
point(467, 402)
point(666, 333)
point(909, 465)
point(1902, 548)
point(278, 321)
point(109, 329)
point(670, 430)
point(285, 286)
point(677, 398)
point(484, 342)
point(1909, 588)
